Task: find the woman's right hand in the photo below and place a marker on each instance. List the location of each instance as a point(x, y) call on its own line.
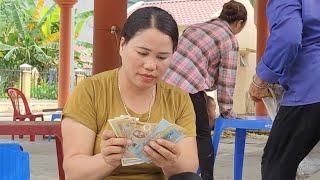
point(113, 148)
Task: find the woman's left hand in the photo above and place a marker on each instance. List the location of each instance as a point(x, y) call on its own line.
point(162, 152)
point(258, 89)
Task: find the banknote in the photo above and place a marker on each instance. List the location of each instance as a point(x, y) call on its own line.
point(168, 131)
point(122, 125)
point(141, 134)
point(138, 134)
point(164, 130)
point(131, 128)
point(127, 161)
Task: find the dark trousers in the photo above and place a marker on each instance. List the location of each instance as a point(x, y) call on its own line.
point(185, 176)
point(295, 131)
point(204, 144)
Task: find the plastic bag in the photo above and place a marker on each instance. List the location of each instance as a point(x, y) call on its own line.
point(271, 106)
point(310, 164)
point(272, 103)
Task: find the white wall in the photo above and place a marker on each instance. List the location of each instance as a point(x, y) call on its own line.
point(247, 39)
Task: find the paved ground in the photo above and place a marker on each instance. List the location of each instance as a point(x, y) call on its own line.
point(43, 158)
point(44, 163)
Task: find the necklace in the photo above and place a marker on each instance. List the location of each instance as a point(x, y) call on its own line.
point(125, 107)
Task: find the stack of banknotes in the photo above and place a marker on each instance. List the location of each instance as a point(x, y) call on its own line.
point(141, 133)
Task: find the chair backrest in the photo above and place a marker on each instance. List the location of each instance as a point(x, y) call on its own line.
point(11, 146)
point(15, 95)
point(14, 163)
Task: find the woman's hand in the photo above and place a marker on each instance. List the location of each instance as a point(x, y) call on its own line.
point(113, 148)
point(162, 152)
point(258, 89)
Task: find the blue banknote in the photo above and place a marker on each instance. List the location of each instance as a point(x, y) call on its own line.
point(164, 130)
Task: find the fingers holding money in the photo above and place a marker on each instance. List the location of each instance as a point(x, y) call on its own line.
point(113, 148)
point(162, 153)
point(172, 147)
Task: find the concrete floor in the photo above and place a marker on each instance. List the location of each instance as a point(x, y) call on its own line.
point(44, 162)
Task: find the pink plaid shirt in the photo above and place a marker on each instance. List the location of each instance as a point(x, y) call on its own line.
point(206, 60)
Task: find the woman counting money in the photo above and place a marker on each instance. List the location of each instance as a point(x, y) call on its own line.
point(91, 149)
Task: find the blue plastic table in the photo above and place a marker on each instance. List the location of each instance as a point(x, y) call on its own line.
point(241, 126)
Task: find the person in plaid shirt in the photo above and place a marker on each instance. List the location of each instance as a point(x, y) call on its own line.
point(206, 60)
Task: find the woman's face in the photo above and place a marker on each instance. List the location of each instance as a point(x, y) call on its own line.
point(146, 57)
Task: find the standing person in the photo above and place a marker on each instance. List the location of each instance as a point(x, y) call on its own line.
point(291, 58)
point(91, 149)
point(205, 60)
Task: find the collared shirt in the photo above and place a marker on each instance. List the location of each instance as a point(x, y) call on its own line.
point(205, 60)
point(292, 55)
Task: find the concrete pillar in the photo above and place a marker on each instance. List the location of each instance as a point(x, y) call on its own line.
point(25, 71)
point(107, 14)
point(64, 50)
point(262, 35)
point(79, 73)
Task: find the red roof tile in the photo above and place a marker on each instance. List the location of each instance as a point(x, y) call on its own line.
point(186, 12)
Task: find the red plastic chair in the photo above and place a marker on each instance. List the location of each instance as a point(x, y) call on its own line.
point(15, 95)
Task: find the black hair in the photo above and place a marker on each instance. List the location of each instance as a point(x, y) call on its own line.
point(151, 17)
point(233, 11)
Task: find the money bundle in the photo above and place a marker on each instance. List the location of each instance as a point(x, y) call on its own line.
point(141, 134)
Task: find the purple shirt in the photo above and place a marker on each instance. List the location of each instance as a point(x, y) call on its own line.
point(292, 55)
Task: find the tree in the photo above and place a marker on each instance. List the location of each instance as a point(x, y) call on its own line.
point(30, 33)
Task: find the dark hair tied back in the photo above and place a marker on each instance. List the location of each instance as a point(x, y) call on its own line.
point(151, 17)
point(233, 11)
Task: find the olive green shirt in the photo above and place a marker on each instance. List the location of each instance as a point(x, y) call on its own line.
point(97, 99)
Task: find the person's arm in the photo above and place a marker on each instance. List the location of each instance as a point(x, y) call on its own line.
point(227, 79)
point(285, 24)
point(79, 133)
point(78, 144)
point(79, 161)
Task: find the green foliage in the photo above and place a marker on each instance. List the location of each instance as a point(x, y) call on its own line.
point(81, 56)
point(80, 19)
point(44, 90)
point(8, 78)
point(20, 41)
point(49, 22)
point(29, 33)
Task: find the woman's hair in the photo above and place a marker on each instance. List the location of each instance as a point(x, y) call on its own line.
point(233, 11)
point(151, 17)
